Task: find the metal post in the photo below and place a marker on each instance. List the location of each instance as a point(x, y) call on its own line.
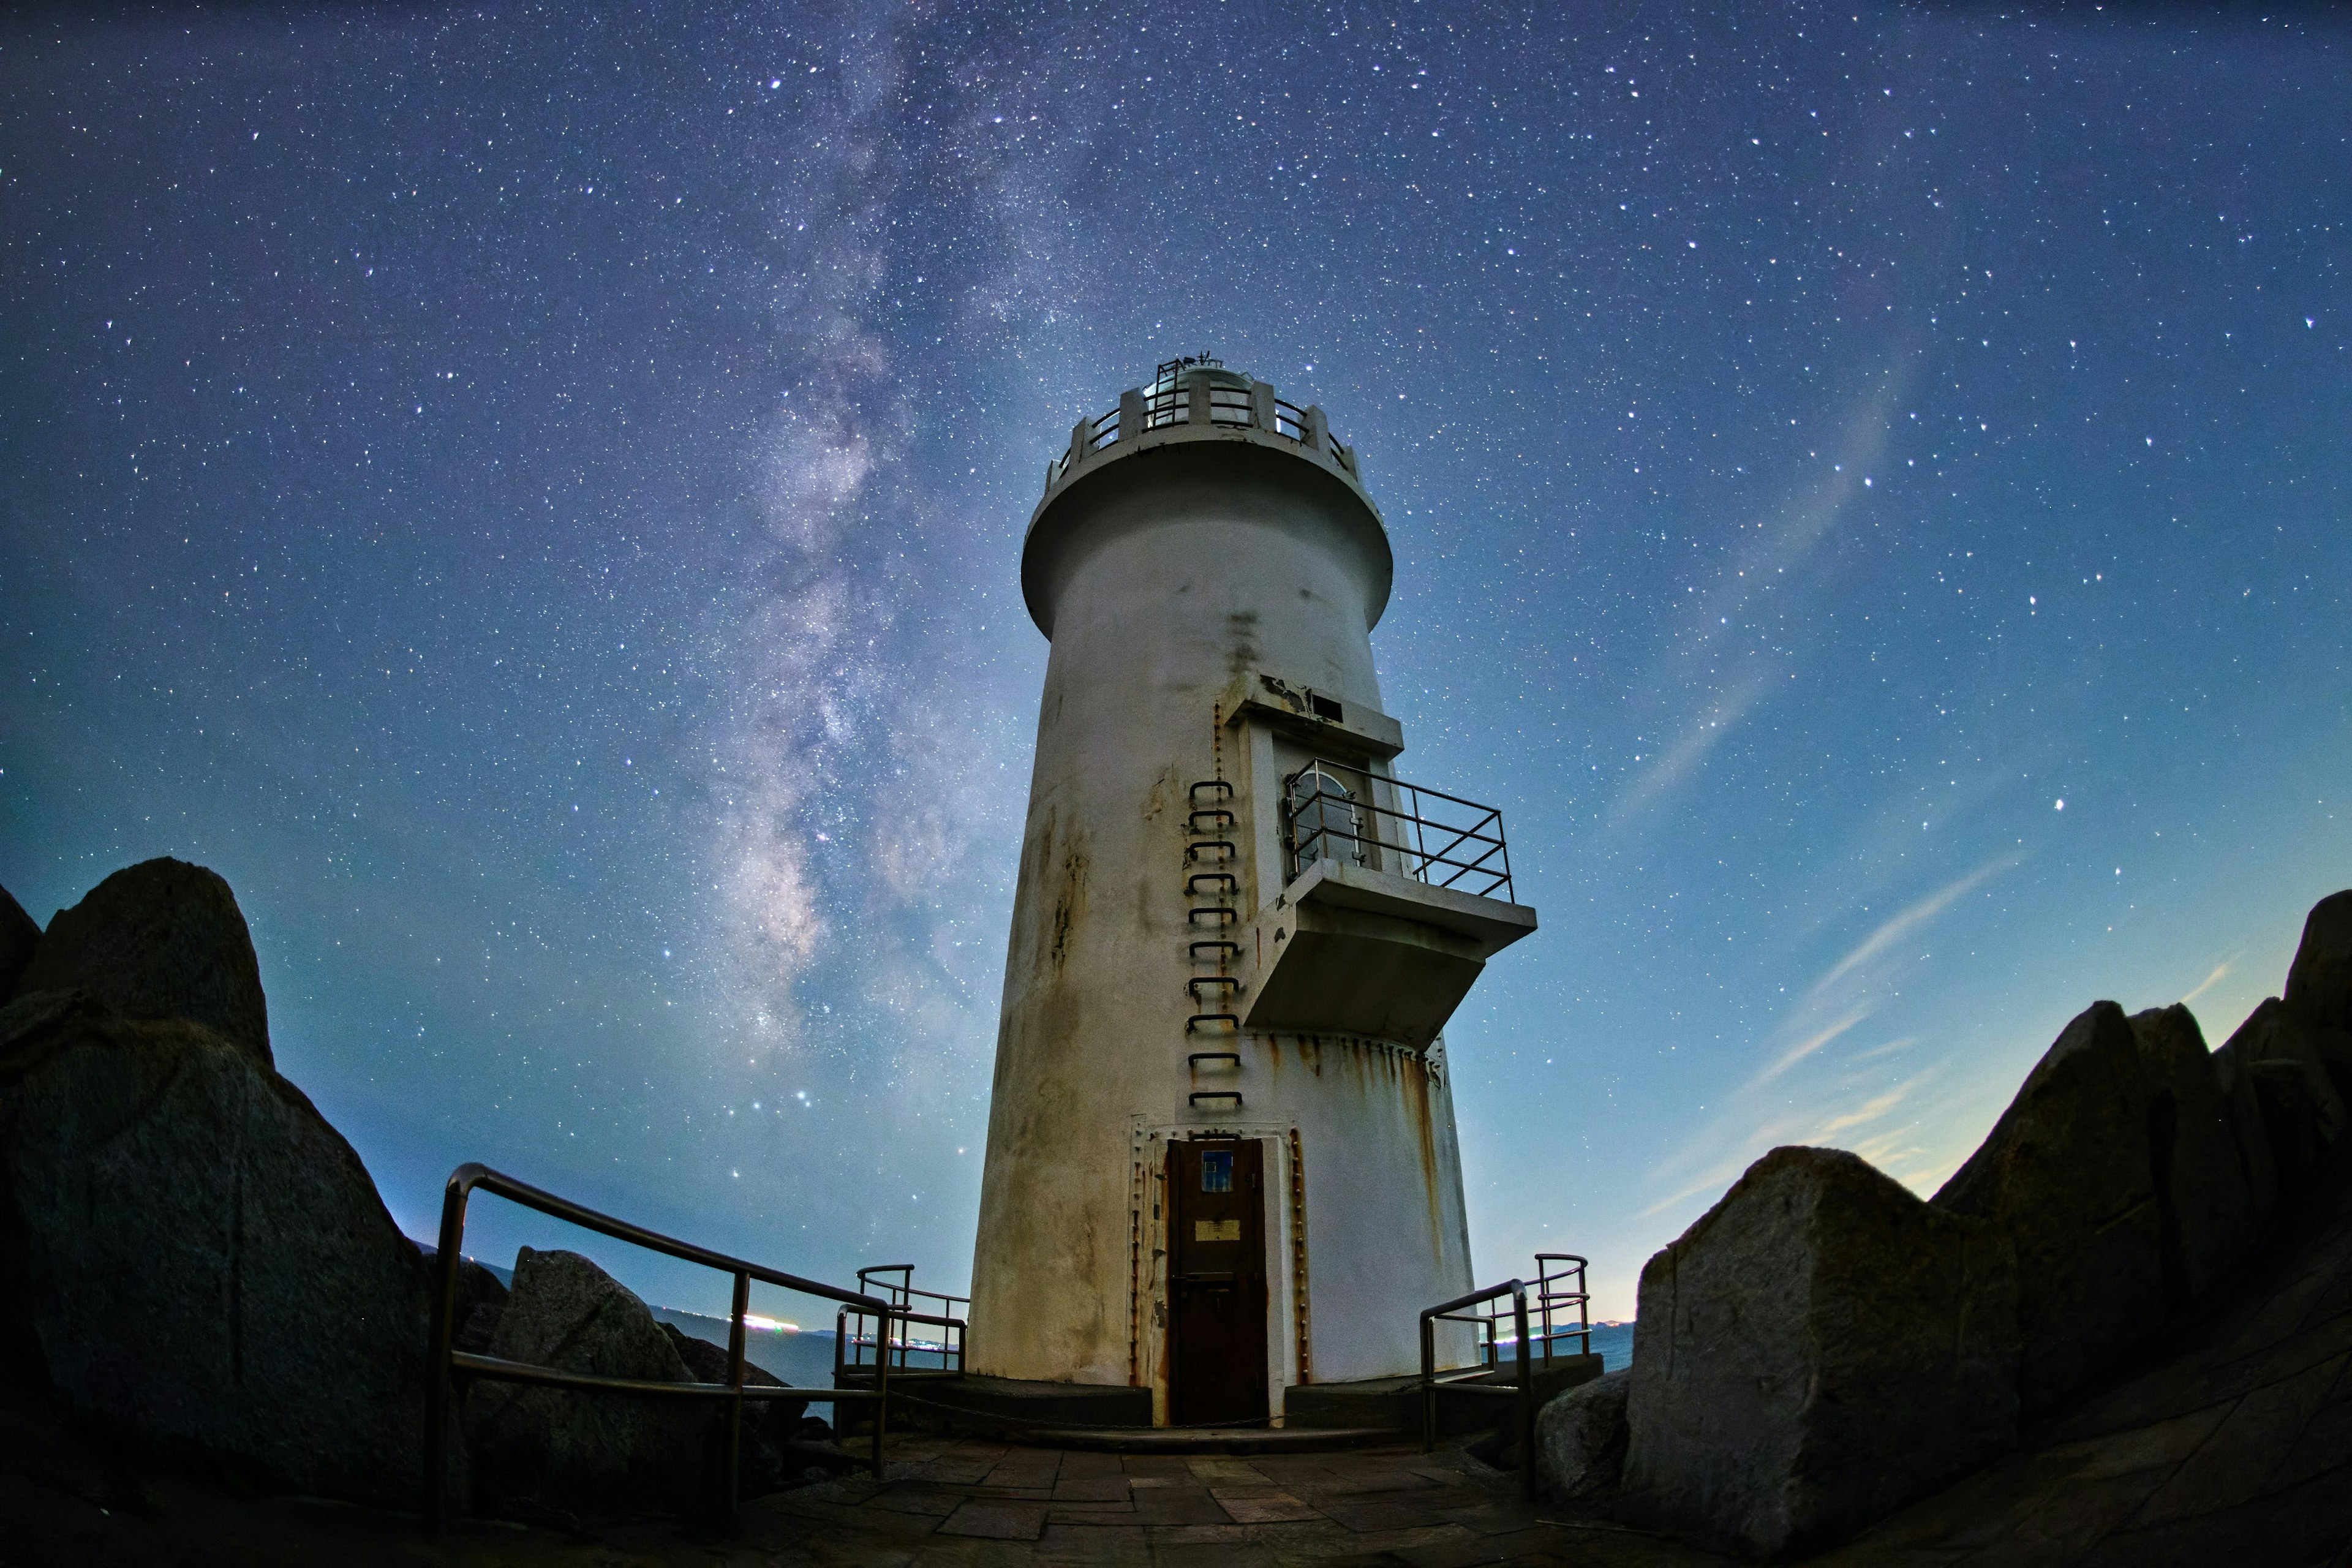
point(1262, 406)
point(1318, 430)
point(1428, 1384)
point(1527, 1399)
point(1197, 402)
point(1132, 414)
point(445, 1329)
point(881, 1392)
point(733, 1491)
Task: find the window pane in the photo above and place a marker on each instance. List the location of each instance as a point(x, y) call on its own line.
point(1217, 1171)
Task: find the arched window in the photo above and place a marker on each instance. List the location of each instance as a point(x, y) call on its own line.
point(1324, 825)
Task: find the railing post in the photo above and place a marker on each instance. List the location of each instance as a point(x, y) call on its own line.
point(733, 1490)
point(1428, 1384)
point(1262, 406)
point(881, 1392)
point(1198, 402)
point(1318, 430)
point(1082, 442)
point(1527, 1398)
point(445, 1260)
point(1132, 414)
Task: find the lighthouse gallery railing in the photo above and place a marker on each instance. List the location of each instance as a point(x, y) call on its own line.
point(1234, 407)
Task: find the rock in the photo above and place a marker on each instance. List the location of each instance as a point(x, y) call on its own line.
point(481, 1301)
point(1580, 1442)
point(1818, 1349)
point(2275, 1031)
point(19, 934)
point(160, 939)
point(548, 1450)
point(2301, 1109)
point(2248, 1131)
point(2205, 1203)
point(2069, 1174)
point(198, 1257)
point(770, 1427)
point(2319, 982)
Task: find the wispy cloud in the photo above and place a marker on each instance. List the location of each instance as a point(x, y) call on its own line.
point(1796, 529)
point(1764, 1112)
point(2221, 972)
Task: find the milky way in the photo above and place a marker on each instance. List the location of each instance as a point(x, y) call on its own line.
point(534, 500)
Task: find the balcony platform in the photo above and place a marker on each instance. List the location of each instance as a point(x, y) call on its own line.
point(1348, 951)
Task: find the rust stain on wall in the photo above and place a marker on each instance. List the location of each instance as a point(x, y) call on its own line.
point(1416, 1107)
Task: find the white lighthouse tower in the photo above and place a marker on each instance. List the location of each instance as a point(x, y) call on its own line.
point(1220, 1149)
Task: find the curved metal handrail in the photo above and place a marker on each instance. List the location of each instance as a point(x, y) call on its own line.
point(444, 1359)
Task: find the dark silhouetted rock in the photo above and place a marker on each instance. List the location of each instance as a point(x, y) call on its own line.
point(2301, 1112)
point(199, 1257)
point(2068, 1173)
point(2276, 1032)
point(481, 1301)
point(2319, 982)
point(542, 1451)
point(1580, 1442)
point(160, 939)
point(2248, 1131)
point(2205, 1204)
point(19, 934)
point(1818, 1349)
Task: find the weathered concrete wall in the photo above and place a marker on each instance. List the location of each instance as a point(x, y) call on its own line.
point(1163, 581)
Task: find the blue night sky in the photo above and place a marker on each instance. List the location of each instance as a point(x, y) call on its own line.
point(533, 498)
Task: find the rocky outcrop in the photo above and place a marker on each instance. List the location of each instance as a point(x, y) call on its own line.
point(160, 939)
point(1580, 1442)
point(2319, 982)
point(18, 936)
point(1820, 1348)
point(2206, 1209)
point(196, 1255)
point(2069, 1175)
point(548, 1451)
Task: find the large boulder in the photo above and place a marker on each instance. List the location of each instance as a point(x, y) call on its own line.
point(2204, 1193)
point(1580, 1442)
point(19, 934)
point(160, 939)
point(2069, 1173)
point(196, 1255)
point(541, 1452)
point(1818, 1349)
point(2319, 982)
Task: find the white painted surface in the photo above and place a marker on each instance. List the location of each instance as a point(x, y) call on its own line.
point(1172, 576)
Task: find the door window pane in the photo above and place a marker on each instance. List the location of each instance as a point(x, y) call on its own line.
point(1217, 1171)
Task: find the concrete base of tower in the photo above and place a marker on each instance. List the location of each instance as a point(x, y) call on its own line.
point(974, 1406)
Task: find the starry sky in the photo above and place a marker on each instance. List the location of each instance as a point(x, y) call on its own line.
point(533, 497)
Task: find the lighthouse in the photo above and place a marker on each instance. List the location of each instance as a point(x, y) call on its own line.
point(1222, 1159)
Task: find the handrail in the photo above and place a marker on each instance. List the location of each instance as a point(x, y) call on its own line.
point(446, 1360)
point(850, 1336)
point(1547, 1299)
point(1477, 858)
point(1523, 1388)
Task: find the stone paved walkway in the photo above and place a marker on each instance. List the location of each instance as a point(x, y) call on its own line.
point(950, 1502)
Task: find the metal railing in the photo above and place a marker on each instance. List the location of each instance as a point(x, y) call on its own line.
point(1570, 1278)
point(1181, 399)
point(1337, 812)
point(861, 1343)
point(446, 1361)
point(1470, 1380)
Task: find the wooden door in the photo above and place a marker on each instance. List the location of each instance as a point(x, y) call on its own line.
point(1216, 1282)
